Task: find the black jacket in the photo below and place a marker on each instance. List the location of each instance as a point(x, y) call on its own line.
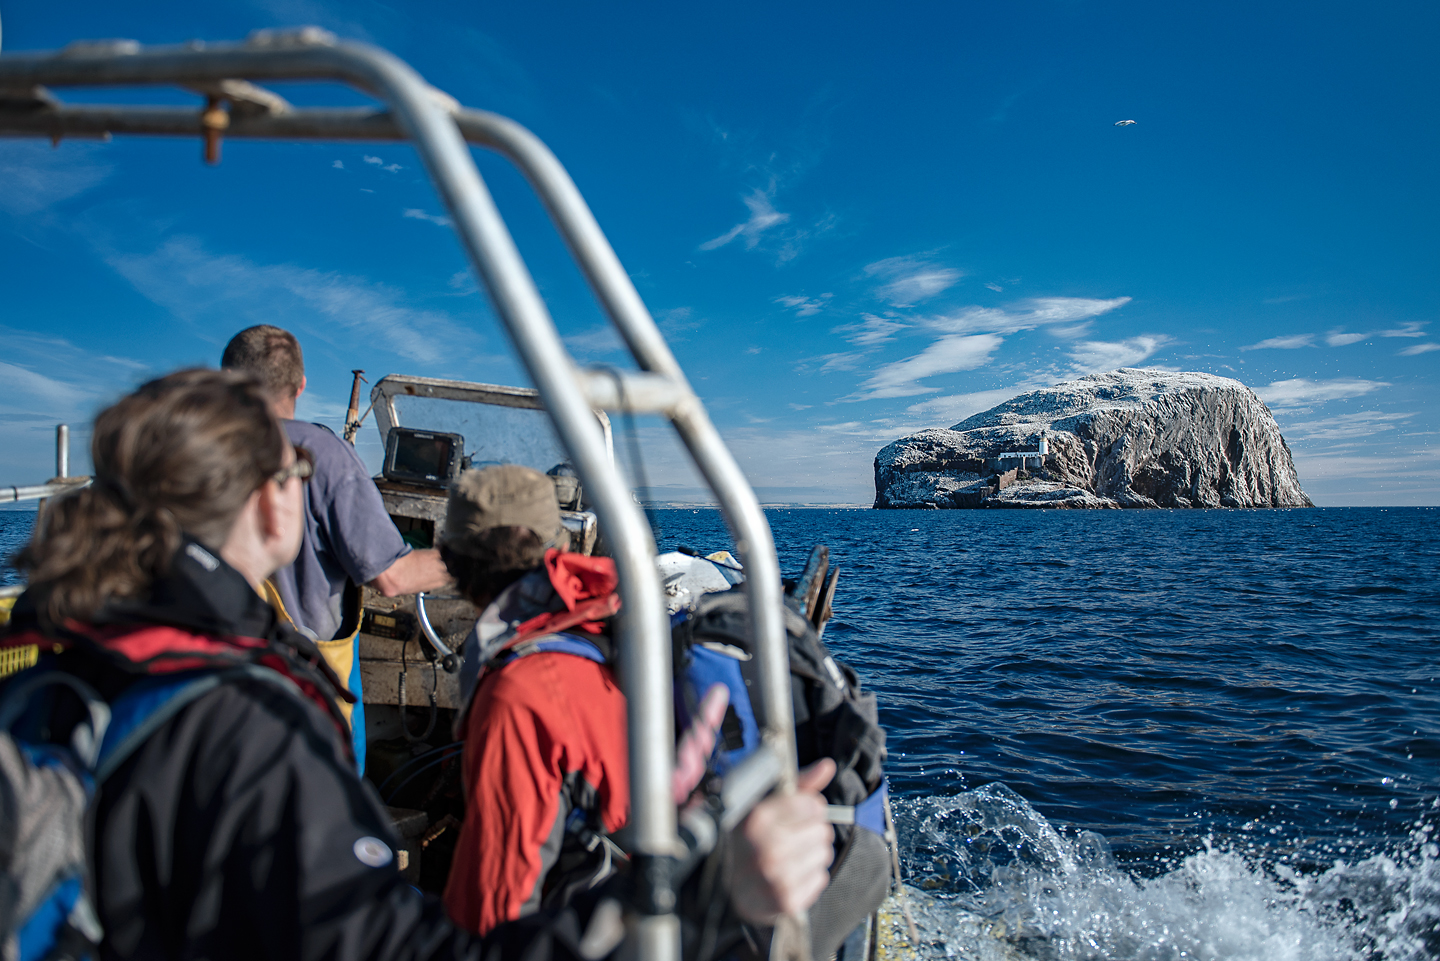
point(236, 830)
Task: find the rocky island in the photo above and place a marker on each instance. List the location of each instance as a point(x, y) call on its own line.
point(1129, 438)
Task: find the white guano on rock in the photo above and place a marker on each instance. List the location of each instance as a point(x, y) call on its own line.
point(1129, 438)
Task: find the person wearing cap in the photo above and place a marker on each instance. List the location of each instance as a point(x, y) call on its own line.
point(545, 762)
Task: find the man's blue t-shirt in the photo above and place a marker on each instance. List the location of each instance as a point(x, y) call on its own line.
point(348, 535)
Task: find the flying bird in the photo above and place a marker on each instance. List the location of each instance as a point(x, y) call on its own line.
point(1124, 123)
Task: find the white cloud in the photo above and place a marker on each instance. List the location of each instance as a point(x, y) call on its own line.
point(908, 280)
point(75, 385)
point(871, 331)
point(805, 306)
point(763, 216)
point(677, 323)
point(1283, 343)
point(414, 213)
point(830, 363)
point(1028, 315)
point(390, 168)
point(463, 282)
point(36, 175)
point(957, 407)
point(1297, 392)
point(1340, 338)
point(1095, 356)
point(595, 342)
point(1405, 330)
point(994, 286)
point(225, 292)
point(338, 165)
point(1363, 423)
point(31, 392)
point(1419, 349)
point(947, 355)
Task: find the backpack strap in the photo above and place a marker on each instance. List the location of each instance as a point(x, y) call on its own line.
point(85, 740)
point(150, 703)
point(574, 644)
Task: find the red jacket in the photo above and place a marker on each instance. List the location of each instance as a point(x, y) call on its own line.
point(545, 735)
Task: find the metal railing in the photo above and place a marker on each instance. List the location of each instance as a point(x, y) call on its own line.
point(439, 128)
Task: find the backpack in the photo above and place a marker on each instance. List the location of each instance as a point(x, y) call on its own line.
point(833, 718)
point(47, 787)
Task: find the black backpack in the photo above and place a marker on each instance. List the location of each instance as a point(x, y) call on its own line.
point(833, 718)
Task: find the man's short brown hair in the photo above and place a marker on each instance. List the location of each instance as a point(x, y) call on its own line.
point(270, 354)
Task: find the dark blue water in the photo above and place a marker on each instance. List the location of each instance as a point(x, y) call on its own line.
point(1145, 734)
point(1232, 717)
point(15, 529)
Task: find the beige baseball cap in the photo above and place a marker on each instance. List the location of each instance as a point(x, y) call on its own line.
point(504, 496)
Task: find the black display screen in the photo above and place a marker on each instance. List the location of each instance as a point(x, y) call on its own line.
point(420, 456)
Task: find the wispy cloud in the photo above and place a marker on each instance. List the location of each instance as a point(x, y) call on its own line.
point(1419, 349)
point(1363, 423)
point(763, 216)
point(871, 330)
point(909, 280)
point(1283, 343)
point(338, 165)
point(1300, 391)
point(1339, 337)
point(677, 322)
point(1027, 315)
point(954, 408)
point(1404, 330)
point(1095, 356)
point(222, 293)
point(50, 381)
point(36, 176)
point(414, 213)
point(970, 336)
point(463, 282)
point(951, 353)
point(805, 306)
point(597, 342)
point(391, 168)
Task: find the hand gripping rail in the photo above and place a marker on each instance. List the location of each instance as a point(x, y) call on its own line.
point(413, 110)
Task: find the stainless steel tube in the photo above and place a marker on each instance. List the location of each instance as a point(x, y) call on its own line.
point(62, 450)
point(37, 491)
point(420, 112)
point(616, 292)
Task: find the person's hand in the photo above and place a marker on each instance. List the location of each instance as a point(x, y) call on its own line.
point(699, 741)
point(780, 854)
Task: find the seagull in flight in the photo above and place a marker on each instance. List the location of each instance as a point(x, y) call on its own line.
point(1124, 123)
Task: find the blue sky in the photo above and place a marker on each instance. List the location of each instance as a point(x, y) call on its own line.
point(853, 221)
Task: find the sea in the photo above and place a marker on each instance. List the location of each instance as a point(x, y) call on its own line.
point(1151, 735)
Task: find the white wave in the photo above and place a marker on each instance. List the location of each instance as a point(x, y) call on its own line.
point(992, 878)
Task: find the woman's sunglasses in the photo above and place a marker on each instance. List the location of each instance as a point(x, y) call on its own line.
point(303, 468)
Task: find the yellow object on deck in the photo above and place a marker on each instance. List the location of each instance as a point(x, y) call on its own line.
point(16, 659)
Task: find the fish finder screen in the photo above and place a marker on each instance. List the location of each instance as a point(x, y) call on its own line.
point(422, 457)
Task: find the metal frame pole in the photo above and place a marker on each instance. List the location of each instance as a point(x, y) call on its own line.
point(436, 124)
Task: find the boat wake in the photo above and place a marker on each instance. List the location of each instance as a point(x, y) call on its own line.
point(991, 878)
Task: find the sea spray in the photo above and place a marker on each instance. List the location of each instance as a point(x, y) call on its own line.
point(990, 877)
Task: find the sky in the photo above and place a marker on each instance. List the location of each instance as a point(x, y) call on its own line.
point(851, 221)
